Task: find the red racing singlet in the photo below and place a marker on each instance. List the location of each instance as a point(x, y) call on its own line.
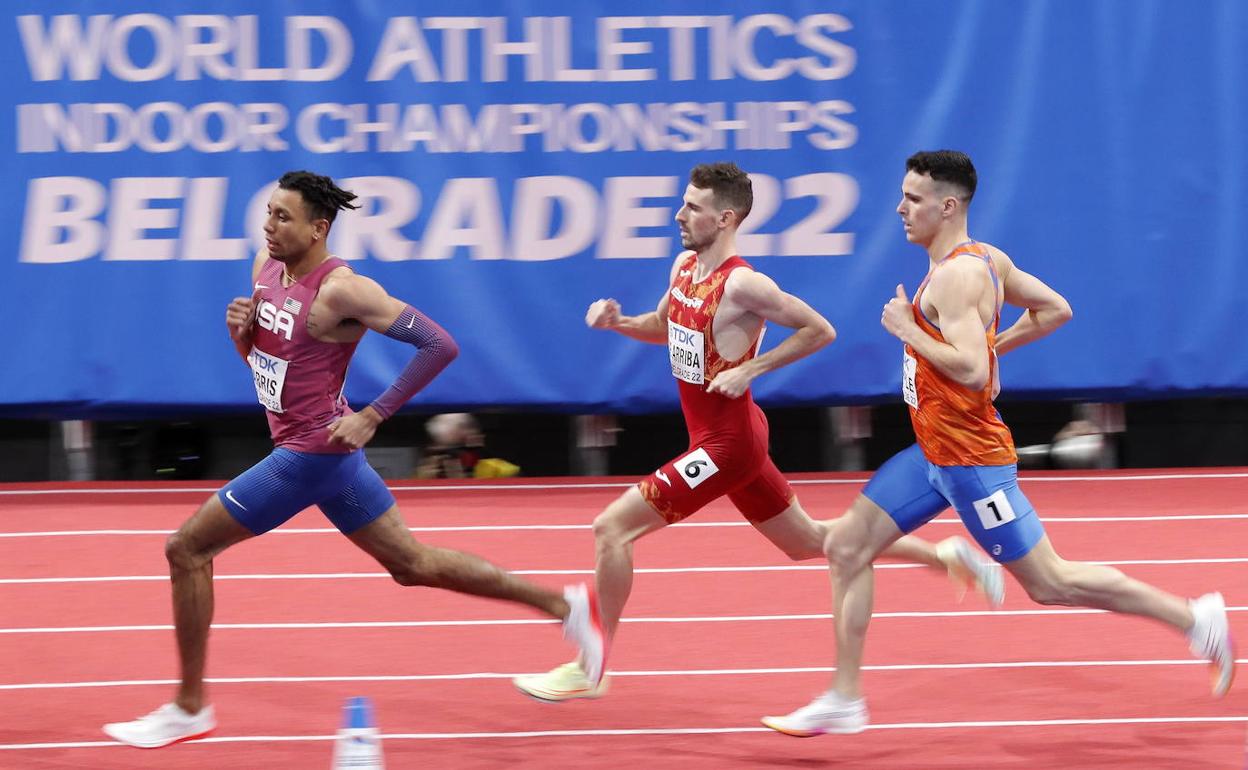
point(710, 417)
point(298, 378)
point(953, 424)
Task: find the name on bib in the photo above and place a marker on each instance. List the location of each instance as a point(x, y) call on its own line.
point(269, 372)
point(687, 349)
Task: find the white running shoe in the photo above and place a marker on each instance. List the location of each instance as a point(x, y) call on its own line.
point(829, 713)
point(1210, 636)
point(968, 567)
point(167, 724)
point(583, 627)
point(566, 682)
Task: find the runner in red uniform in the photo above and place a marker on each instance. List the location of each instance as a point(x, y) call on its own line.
point(711, 318)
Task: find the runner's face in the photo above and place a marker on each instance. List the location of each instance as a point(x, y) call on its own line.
point(921, 207)
point(288, 232)
point(699, 219)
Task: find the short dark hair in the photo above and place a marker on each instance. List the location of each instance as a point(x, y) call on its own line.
point(321, 197)
point(946, 166)
point(730, 185)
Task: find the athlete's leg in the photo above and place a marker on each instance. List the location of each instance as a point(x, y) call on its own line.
point(625, 520)
point(862, 534)
point(412, 563)
point(190, 552)
point(1050, 579)
point(1004, 522)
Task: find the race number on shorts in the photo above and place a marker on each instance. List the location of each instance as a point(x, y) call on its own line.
point(696, 467)
point(994, 510)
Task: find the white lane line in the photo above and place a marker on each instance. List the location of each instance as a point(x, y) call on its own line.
point(545, 621)
point(585, 527)
point(559, 572)
point(485, 675)
point(606, 484)
point(660, 731)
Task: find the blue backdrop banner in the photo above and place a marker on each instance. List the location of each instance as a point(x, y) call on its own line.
point(514, 168)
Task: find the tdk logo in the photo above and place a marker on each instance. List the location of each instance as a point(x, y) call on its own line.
point(682, 299)
point(276, 321)
point(264, 363)
point(682, 336)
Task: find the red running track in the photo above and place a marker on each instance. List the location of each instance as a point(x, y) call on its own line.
point(720, 630)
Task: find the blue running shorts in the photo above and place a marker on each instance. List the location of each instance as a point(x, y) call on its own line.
point(987, 498)
point(344, 486)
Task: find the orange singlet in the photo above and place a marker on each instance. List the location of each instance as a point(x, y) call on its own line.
point(953, 424)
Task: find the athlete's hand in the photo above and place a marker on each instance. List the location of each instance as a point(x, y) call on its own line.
point(898, 316)
point(731, 382)
point(354, 430)
point(240, 314)
point(603, 314)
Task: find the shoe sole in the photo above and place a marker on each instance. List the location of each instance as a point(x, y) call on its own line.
point(811, 733)
point(562, 697)
point(183, 739)
point(1215, 674)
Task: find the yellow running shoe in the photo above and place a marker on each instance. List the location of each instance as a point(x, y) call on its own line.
point(567, 682)
point(969, 569)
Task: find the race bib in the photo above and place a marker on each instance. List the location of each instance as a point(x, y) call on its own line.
point(687, 351)
point(269, 373)
point(909, 391)
point(696, 467)
point(995, 510)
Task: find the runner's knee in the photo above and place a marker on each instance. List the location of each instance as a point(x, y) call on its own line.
point(845, 547)
point(181, 553)
point(617, 526)
point(414, 569)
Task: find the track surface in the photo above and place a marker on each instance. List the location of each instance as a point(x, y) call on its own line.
point(719, 631)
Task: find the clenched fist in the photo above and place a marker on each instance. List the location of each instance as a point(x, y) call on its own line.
point(603, 314)
point(240, 314)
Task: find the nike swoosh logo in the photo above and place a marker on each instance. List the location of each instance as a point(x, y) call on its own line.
point(660, 474)
point(410, 322)
point(261, 286)
point(230, 495)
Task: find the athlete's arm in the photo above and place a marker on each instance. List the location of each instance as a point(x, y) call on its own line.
point(1045, 309)
point(648, 327)
point(954, 290)
point(758, 294)
point(240, 314)
point(357, 297)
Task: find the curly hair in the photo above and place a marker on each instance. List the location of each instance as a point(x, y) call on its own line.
point(321, 197)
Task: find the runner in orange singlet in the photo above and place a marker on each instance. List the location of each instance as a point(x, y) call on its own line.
point(711, 318)
point(965, 455)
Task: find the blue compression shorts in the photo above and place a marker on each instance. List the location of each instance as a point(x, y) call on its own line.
point(344, 486)
point(913, 491)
